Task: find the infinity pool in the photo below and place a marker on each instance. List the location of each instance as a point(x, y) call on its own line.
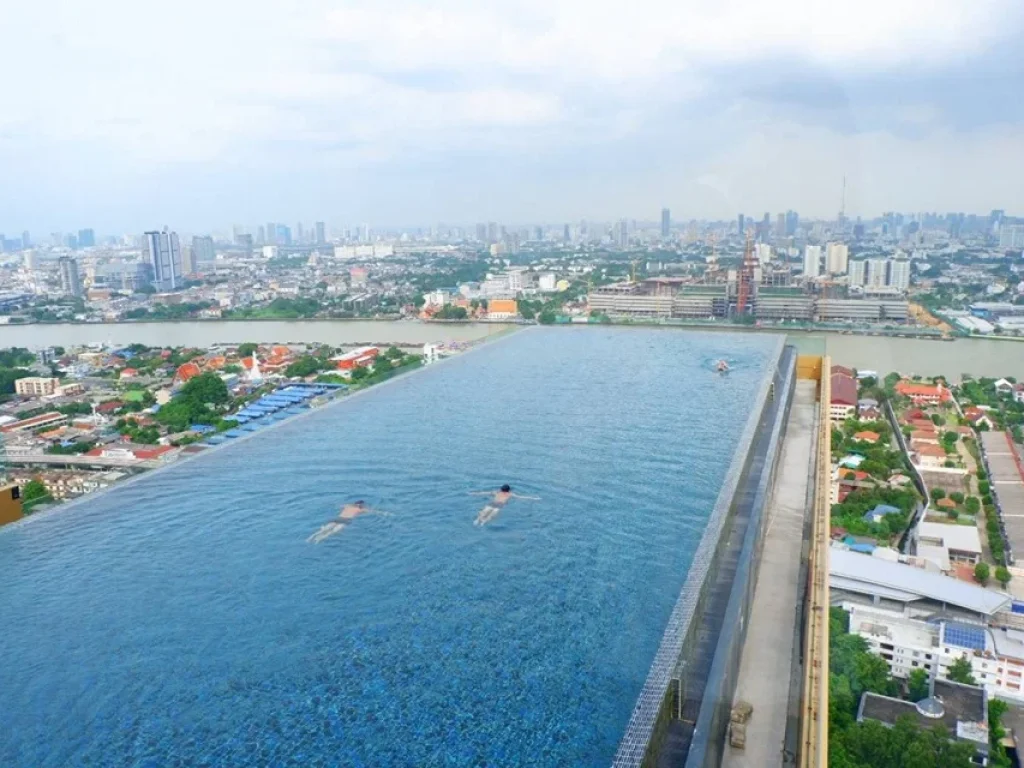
point(183, 620)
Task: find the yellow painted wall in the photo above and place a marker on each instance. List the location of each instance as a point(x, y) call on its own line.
point(10, 507)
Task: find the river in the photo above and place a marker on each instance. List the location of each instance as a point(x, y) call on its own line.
point(979, 357)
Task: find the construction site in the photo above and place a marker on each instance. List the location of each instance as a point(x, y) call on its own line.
point(758, 289)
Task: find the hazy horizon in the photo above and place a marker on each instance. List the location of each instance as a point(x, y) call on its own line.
point(123, 117)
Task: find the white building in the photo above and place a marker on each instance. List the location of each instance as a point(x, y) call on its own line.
point(763, 252)
point(547, 283)
point(858, 272)
point(877, 273)
point(1011, 236)
point(946, 544)
point(269, 251)
point(837, 256)
point(899, 274)
point(906, 643)
point(812, 261)
point(436, 298)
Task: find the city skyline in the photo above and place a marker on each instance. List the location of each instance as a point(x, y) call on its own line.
point(523, 111)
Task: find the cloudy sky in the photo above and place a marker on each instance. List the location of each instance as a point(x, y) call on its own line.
point(120, 114)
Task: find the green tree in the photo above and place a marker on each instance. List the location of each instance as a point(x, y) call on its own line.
point(1002, 575)
point(34, 489)
point(960, 671)
point(917, 684)
point(981, 573)
point(957, 497)
point(304, 366)
point(938, 493)
point(206, 388)
point(246, 349)
point(972, 505)
point(358, 374)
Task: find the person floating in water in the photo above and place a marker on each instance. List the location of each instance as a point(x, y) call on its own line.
point(348, 513)
point(722, 367)
point(499, 499)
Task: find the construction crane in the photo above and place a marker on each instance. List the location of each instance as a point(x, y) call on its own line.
point(747, 279)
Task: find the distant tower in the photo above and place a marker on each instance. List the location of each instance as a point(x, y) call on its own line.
point(70, 284)
point(666, 222)
point(747, 280)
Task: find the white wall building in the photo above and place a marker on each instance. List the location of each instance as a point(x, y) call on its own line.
point(547, 283)
point(899, 274)
point(906, 643)
point(858, 272)
point(812, 261)
point(837, 256)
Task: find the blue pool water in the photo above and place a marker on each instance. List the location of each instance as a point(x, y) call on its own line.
point(183, 620)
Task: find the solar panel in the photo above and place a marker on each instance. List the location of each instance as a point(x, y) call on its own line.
point(964, 636)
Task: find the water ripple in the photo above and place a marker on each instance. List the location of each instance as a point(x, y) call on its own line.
point(183, 619)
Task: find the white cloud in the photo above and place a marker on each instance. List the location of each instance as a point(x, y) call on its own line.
point(360, 84)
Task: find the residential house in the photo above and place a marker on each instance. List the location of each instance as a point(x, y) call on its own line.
point(1003, 387)
point(924, 394)
point(925, 436)
point(1018, 392)
point(977, 417)
point(843, 404)
point(878, 514)
point(928, 455)
point(867, 436)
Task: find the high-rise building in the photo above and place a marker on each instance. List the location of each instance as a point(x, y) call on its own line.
point(321, 233)
point(1011, 236)
point(622, 233)
point(70, 284)
point(164, 258)
point(666, 222)
point(26, 241)
point(203, 250)
point(780, 225)
point(899, 274)
point(741, 224)
point(300, 235)
point(566, 234)
point(792, 222)
point(492, 232)
point(481, 232)
point(86, 238)
point(837, 255)
point(877, 274)
point(261, 235)
point(284, 234)
point(858, 272)
point(271, 237)
point(538, 234)
point(812, 261)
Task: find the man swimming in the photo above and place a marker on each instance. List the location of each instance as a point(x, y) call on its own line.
point(348, 513)
point(499, 499)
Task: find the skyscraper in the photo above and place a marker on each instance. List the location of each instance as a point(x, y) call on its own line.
point(566, 234)
point(300, 234)
point(284, 234)
point(86, 238)
point(623, 233)
point(164, 257)
point(261, 235)
point(780, 225)
point(203, 250)
point(26, 241)
point(321, 233)
point(792, 222)
point(837, 257)
point(812, 261)
point(666, 222)
point(70, 284)
point(271, 237)
point(858, 272)
point(741, 224)
point(899, 274)
point(1011, 236)
point(877, 274)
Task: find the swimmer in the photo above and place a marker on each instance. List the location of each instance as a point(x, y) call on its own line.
point(499, 499)
point(348, 513)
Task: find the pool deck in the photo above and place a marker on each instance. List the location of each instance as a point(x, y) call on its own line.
point(767, 662)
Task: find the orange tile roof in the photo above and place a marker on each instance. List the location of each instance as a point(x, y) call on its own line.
point(867, 435)
point(187, 371)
